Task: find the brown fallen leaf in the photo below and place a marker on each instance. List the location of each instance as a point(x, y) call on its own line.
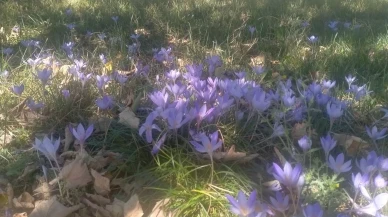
point(75, 174)
point(98, 199)
point(25, 200)
point(10, 194)
point(101, 183)
point(29, 169)
point(48, 208)
point(298, 131)
point(159, 209)
point(128, 118)
point(116, 208)
point(352, 144)
point(232, 155)
point(69, 138)
point(22, 214)
point(100, 210)
point(280, 156)
point(43, 191)
point(101, 124)
point(132, 207)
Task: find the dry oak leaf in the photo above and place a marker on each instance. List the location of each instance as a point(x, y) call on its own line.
point(43, 191)
point(232, 155)
point(132, 207)
point(51, 208)
point(353, 145)
point(25, 200)
point(69, 138)
point(98, 199)
point(75, 174)
point(22, 214)
point(159, 211)
point(101, 183)
point(116, 208)
point(100, 211)
point(128, 118)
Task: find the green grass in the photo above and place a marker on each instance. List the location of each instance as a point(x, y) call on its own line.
point(196, 29)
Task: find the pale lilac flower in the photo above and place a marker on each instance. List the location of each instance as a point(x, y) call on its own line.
point(135, 36)
point(350, 79)
point(159, 98)
point(106, 102)
point(379, 181)
point(18, 90)
point(148, 126)
point(101, 36)
point(328, 143)
point(260, 102)
point(33, 62)
point(258, 69)
point(115, 19)
point(30, 43)
point(4, 74)
point(70, 26)
point(278, 130)
point(305, 24)
point(328, 84)
point(242, 206)
point(305, 143)
point(347, 24)
point(101, 81)
point(360, 180)
point(280, 202)
point(288, 176)
point(121, 78)
point(375, 134)
point(252, 30)
point(68, 11)
point(313, 210)
point(313, 39)
point(34, 105)
point(339, 165)
point(158, 145)
point(334, 110)
point(66, 93)
point(103, 58)
point(84, 78)
point(207, 145)
point(374, 206)
point(173, 74)
point(48, 147)
point(81, 134)
point(7, 51)
point(333, 25)
point(213, 62)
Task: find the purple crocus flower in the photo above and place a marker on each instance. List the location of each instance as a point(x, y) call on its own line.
point(278, 130)
point(68, 11)
point(115, 18)
point(328, 143)
point(84, 78)
point(48, 147)
point(68, 47)
point(374, 206)
point(33, 62)
point(174, 118)
point(375, 134)
point(148, 126)
point(81, 134)
point(251, 29)
point(103, 58)
point(339, 165)
point(347, 24)
point(194, 72)
point(369, 164)
point(334, 110)
point(288, 99)
point(101, 36)
point(106, 102)
point(207, 145)
point(333, 25)
point(101, 81)
point(70, 26)
point(121, 78)
point(30, 43)
point(305, 24)
point(159, 98)
point(135, 37)
point(260, 102)
point(313, 39)
point(242, 206)
point(213, 62)
point(158, 145)
point(173, 74)
point(164, 55)
point(18, 90)
point(44, 75)
point(66, 93)
point(280, 202)
point(360, 180)
point(322, 99)
point(34, 105)
point(305, 143)
point(7, 51)
point(176, 89)
point(350, 79)
point(79, 64)
point(240, 75)
point(258, 70)
point(203, 112)
point(313, 210)
point(379, 181)
point(288, 176)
